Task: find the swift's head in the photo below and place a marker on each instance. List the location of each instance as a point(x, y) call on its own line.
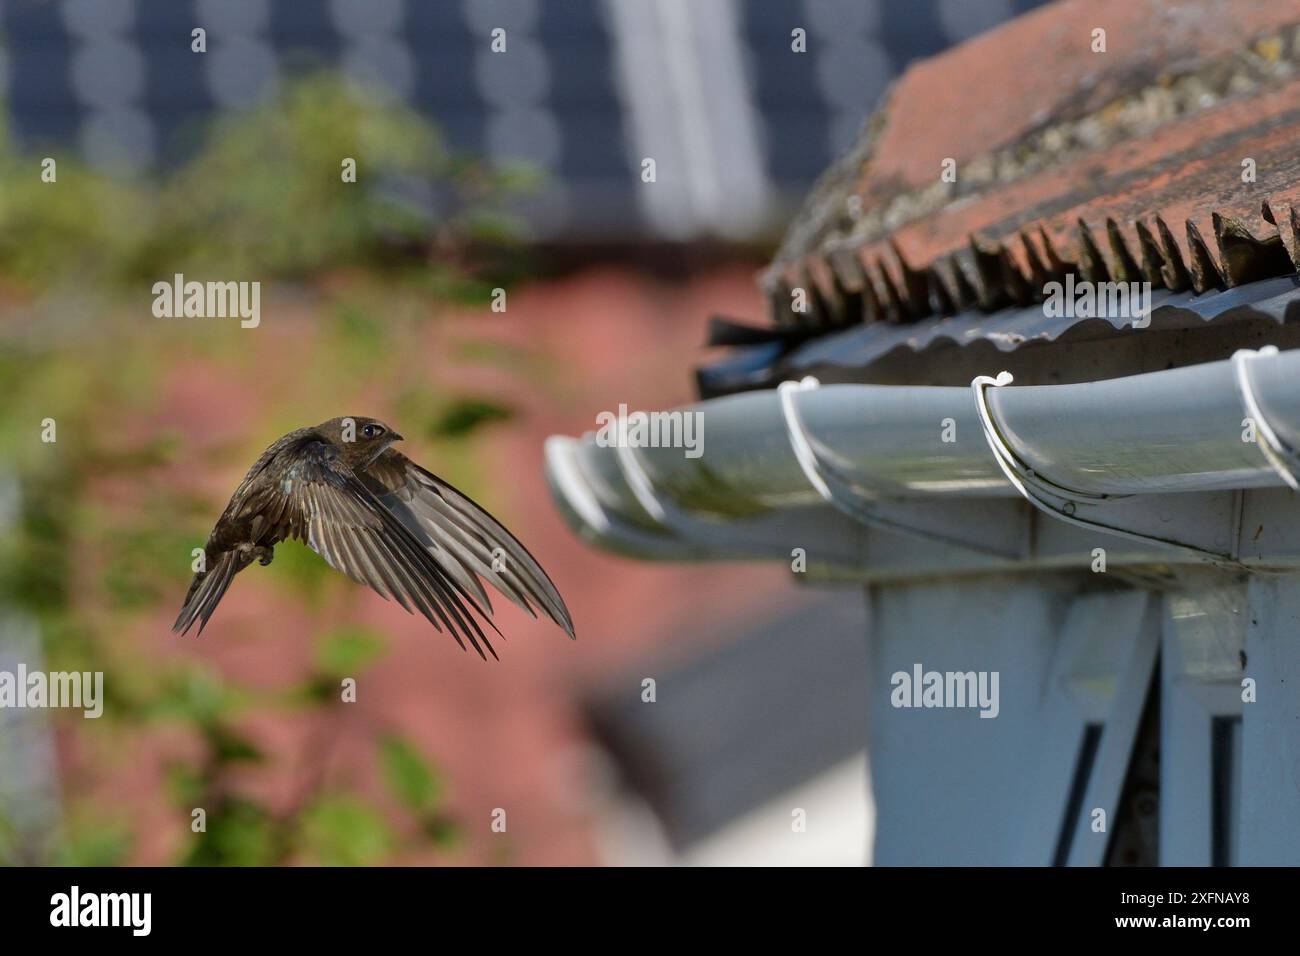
point(360, 440)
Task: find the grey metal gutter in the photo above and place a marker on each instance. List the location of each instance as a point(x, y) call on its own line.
point(1172, 431)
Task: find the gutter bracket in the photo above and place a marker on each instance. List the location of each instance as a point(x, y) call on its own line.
point(1064, 504)
point(1283, 459)
point(665, 512)
point(849, 495)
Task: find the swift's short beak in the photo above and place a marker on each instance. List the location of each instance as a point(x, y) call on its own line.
point(395, 437)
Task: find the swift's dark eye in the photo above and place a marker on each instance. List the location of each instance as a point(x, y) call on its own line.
point(372, 431)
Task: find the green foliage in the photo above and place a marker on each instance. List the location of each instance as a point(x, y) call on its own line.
point(131, 580)
point(340, 830)
point(190, 694)
point(419, 787)
point(265, 196)
point(346, 651)
point(83, 225)
point(462, 416)
point(408, 775)
point(363, 335)
point(239, 832)
point(443, 832)
point(230, 747)
point(94, 843)
point(302, 570)
point(98, 549)
point(34, 560)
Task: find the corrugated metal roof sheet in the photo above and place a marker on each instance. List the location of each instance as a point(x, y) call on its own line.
point(864, 352)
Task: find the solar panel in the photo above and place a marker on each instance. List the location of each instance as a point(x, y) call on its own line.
point(117, 82)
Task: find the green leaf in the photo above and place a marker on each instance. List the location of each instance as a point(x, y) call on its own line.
point(101, 844)
point(192, 693)
point(345, 651)
point(302, 569)
point(360, 331)
point(188, 693)
point(239, 833)
point(445, 833)
point(184, 783)
point(340, 830)
point(408, 775)
point(465, 415)
point(231, 747)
